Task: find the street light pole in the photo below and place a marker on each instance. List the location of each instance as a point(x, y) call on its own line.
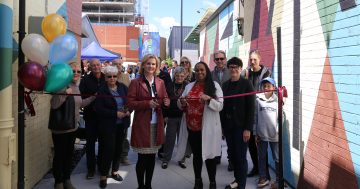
point(181, 29)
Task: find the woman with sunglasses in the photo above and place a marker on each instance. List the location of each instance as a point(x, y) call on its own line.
point(64, 140)
point(189, 74)
point(114, 118)
point(147, 95)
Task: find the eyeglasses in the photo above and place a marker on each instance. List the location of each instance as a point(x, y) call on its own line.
point(76, 71)
point(111, 76)
point(184, 62)
point(217, 59)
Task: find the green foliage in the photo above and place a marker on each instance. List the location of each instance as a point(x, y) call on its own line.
point(169, 61)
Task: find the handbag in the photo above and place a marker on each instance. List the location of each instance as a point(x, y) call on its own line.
point(63, 118)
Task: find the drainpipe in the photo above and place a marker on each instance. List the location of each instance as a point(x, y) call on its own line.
point(7, 137)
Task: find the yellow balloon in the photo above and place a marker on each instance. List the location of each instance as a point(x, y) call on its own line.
point(52, 26)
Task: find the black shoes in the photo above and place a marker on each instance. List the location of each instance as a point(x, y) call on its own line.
point(90, 175)
point(117, 177)
point(233, 185)
point(182, 164)
point(164, 165)
point(198, 184)
point(253, 172)
point(103, 183)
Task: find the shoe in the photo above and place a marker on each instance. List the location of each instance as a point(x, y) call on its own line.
point(230, 167)
point(232, 185)
point(164, 165)
point(212, 185)
point(117, 177)
point(125, 161)
point(68, 185)
point(90, 174)
point(103, 183)
point(59, 186)
point(198, 184)
point(253, 172)
point(263, 181)
point(182, 164)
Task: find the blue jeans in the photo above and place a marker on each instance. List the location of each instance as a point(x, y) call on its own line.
point(238, 149)
point(262, 151)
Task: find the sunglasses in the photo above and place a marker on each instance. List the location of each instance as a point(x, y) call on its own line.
point(184, 62)
point(76, 71)
point(233, 67)
point(217, 59)
point(111, 76)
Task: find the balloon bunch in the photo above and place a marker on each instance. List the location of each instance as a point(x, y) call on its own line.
point(57, 48)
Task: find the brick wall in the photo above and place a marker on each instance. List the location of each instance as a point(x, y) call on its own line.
point(117, 39)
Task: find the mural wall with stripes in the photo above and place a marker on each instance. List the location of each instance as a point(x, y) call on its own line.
point(321, 70)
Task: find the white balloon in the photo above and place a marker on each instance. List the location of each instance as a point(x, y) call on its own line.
point(36, 48)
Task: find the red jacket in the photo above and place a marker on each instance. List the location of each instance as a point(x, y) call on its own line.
point(138, 91)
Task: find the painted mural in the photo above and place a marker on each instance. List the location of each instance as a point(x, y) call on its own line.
point(321, 70)
point(150, 44)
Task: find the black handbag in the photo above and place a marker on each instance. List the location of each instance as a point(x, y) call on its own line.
point(63, 118)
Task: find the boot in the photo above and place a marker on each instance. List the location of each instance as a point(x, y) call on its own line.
point(198, 184)
point(68, 185)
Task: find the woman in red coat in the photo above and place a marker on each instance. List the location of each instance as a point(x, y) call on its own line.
point(146, 96)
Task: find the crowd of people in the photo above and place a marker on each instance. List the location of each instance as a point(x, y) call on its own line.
point(179, 104)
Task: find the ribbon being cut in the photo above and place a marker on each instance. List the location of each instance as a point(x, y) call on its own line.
point(281, 91)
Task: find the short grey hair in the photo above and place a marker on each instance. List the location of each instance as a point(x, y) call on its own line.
point(179, 70)
point(110, 70)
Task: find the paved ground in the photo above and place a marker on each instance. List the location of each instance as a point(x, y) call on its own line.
point(173, 177)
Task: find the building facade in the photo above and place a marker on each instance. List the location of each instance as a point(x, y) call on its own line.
point(109, 11)
point(320, 68)
point(189, 49)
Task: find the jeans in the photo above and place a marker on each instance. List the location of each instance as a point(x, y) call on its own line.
point(238, 149)
point(262, 147)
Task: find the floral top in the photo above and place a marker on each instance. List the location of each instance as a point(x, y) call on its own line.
point(195, 108)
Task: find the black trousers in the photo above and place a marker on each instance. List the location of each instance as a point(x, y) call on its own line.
point(195, 142)
point(91, 127)
point(64, 148)
point(111, 143)
point(253, 152)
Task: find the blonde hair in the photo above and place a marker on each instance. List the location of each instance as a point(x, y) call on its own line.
point(185, 58)
point(145, 60)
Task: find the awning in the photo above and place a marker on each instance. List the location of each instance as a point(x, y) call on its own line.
point(95, 51)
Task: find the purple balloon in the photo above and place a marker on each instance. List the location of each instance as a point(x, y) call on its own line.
point(32, 76)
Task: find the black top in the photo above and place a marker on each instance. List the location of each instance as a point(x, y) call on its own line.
point(238, 111)
point(90, 85)
point(173, 111)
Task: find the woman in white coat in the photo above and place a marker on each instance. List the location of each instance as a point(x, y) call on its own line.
point(201, 123)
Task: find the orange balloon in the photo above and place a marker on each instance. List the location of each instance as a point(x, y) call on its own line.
point(52, 26)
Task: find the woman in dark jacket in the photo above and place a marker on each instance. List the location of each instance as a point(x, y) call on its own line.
point(237, 120)
point(114, 119)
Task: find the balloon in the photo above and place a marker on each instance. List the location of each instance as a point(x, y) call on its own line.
point(36, 48)
point(58, 77)
point(32, 76)
point(63, 49)
point(52, 26)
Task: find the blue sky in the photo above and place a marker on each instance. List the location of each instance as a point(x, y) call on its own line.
point(164, 14)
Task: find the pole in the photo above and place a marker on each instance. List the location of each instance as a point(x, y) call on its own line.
point(21, 115)
point(181, 29)
point(280, 105)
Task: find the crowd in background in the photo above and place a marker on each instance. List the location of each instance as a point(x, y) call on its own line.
point(171, 104)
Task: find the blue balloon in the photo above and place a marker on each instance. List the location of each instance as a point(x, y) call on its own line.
point(58, 77)
point(63, 49)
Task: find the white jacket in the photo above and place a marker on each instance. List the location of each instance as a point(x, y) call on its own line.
point(211, 126)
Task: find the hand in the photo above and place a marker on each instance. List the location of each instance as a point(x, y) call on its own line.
point(183, 102)
point(121, 114)
point(246, 135)
point(153, 103)
point(204, 98)
point(257, 139)
point(68, 91)
point(166, 101)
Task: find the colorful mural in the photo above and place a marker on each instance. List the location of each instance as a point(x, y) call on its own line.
point(150, 44)
point(321, 68)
